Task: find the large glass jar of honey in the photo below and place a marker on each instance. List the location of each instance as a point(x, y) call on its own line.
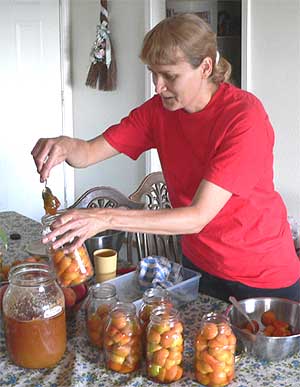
point(73, 268)
point(102, 297)
point(214, 351)
point(122, 339)
point(165, 345)
point(34, 317)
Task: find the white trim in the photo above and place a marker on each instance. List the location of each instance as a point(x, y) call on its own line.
point(66, 90)
point(155, 10)
point(246, 45)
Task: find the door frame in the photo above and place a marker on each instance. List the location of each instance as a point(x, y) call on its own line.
point(66, 94)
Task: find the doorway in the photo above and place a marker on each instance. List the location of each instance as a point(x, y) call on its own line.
point(31, 97)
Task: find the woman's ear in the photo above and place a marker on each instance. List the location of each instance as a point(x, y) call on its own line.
point(206, 67)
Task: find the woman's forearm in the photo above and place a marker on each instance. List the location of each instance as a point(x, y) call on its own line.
point(184, 220)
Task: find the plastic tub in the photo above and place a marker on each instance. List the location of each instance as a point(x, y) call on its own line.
point(128, 289)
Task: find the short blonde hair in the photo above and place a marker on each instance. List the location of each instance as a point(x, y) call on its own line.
point(187, 34)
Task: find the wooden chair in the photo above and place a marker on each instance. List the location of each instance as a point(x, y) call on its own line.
point(153, 193)
point(108, 197)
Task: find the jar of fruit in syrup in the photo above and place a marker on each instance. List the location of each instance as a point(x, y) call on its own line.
point(102, 297)
point(34, 317)
point(214, 351)
point(122, 339)
point(165, 345)
point(152, 298)
point(73, 268)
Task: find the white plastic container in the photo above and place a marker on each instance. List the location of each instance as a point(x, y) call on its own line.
point(128, 289)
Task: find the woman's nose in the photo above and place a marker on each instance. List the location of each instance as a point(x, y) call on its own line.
point(160, 85)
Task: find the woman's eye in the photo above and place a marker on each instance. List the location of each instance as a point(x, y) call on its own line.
point(170, 77)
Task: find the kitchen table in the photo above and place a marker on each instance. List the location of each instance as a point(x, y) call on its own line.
point(82, 365)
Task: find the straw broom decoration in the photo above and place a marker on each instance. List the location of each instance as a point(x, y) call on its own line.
point(103, 69)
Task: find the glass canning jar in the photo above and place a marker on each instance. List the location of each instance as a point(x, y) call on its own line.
point(73, 268)
point(34, 317)
point(152, 298)
point(102, 297)
point(214, 351)
point(122, 339)
point(165, 345)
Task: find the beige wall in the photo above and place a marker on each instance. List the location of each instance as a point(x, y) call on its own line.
point(93, 110)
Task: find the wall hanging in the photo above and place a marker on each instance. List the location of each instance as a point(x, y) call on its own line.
point(103, 69)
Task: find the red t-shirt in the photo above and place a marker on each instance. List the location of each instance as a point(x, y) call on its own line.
point(229, 143)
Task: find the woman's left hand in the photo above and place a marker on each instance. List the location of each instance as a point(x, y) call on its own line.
point(75, 226)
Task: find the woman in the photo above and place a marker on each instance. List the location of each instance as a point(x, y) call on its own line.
point(215, 145)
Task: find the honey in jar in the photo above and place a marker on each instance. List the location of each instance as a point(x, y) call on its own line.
point(214, 351)
point(34, 317)
point(72, 268)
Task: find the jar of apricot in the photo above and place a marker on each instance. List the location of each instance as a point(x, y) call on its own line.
point(122, 339)
point(72, 268)
point(102, 297)
point(34, 317)
point(165, 345)
point(214, 351)
point(152, 298)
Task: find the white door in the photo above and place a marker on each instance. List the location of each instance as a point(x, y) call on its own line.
point(30, 100)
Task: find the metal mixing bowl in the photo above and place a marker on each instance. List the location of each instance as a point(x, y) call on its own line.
point(109, 239)
point(263, 347)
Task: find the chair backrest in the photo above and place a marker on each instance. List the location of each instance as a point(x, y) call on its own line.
point(153, 193)
point(104, 197)
point(108, 197)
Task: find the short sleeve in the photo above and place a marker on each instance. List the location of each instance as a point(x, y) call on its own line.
point(134, 134)
point(242, 156)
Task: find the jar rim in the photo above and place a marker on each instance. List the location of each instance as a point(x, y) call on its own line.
point(16, 274)
point(47, 219)
point(103, 290)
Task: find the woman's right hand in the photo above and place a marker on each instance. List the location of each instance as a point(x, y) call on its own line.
point(49, 152)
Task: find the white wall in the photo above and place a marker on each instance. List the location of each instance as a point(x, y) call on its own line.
point(94, 110)
point(274, 76)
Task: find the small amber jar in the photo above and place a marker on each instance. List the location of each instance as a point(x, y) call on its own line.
point(73, 268)
point(122, 339)
point(214, 351)
point(34, 317)
point(102, 297)
point(165, 344)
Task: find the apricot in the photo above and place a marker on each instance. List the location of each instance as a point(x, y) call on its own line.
point(171, 374)
point(57, 256)
point(209, 331)
point(176, 356)
point(63, 265)
point(119, 320)
point(201, 343)
point(70, 297)
point(220, 354)
point(219, 378)
point(114, 366)
point(167, 338)
point(249, 327)
point(164, 326)
point(202, 378)
point(202, 367)
point(268, 317)
point(153, 336)
point(160, 357)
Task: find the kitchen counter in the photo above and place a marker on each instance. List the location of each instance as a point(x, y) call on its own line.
point(82, 365)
